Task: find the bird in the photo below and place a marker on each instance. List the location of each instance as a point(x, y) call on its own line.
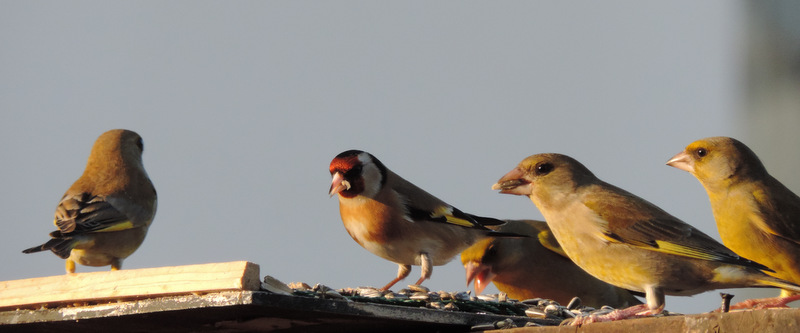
point(398, 221)
point(756, 215)
point(104, 216)
point(536, 266)
point(625, 240)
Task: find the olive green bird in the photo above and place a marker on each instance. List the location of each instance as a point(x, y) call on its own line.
point(757, 216)
point(536, 266)
point(104, 216)
point(627, 241)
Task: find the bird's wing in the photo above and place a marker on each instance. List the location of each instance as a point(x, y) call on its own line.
point(423, 206)
point(443, 214)
point(627, 219)
point(83, 213)
point(548, 240)
point(778, 213)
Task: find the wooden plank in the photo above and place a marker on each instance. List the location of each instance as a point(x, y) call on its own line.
point(740, 321)
point(128, 283)
point(242, 311)
point(260, 311)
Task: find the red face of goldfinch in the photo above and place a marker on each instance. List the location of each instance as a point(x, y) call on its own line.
point(352, 171)
point(398, 221)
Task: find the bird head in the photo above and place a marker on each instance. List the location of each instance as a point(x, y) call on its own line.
point(355, 172)
point(116, 154)
point(478, 262)
point(544, 175)
point(718, 160)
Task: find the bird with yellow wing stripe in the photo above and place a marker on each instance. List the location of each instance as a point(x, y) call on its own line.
point(757, 216)
point(625, 240)
point(399, 221)
point(536, 266)
point(104, 216)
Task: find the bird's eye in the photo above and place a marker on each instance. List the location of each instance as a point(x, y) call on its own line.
point(701, 152)
point(140, 144)
point(491, 251)
point(355, 171)
point(543, 168)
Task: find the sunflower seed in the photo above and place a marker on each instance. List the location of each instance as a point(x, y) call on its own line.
point(414, 287)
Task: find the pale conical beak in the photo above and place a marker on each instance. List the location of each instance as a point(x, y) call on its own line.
point(682, 161)
point(513, 183)
point(338, 184)
point(482, 274)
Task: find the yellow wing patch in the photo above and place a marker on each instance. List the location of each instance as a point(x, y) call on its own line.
point(549, 241)
point(117, 227)
point(681, 250)
point(447, 214)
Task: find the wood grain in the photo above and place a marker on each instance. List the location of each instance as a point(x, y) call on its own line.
point(129, 283)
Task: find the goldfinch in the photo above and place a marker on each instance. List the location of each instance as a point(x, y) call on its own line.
point(104, 216)
point(757, 216)
point(625, 240)
point(397, 220)
point(536, 266)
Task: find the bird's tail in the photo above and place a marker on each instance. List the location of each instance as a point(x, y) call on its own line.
point(483, 220)
point(505, 234)
point(37, 248)
point(60, 245)
point(493, 222)
point(769, 281)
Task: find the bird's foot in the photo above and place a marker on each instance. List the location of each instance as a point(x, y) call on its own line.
point(636, 311)
point(764, 303)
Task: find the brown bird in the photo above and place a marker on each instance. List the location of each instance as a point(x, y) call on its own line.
point(104, 216)
point(625, 240)
point(398, 221)
point(536, 266)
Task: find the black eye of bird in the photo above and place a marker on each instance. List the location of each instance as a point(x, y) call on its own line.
point(701, 152)
point(355, 171)
point(543, 168)
point(491, 251)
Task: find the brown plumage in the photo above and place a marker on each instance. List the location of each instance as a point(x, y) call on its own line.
point(536, 266)
point(104, 216)
point(397, 220)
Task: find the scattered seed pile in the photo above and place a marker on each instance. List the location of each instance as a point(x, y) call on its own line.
point(544, 311)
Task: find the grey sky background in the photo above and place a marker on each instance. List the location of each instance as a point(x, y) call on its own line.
point(242, 105)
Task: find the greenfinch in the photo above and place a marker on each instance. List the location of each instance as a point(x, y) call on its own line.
point(398, 221)
point(536, 266)
point(757, 216)
point(104, 216)
point(625, 240)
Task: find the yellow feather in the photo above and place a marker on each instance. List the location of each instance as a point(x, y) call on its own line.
point(118, 226)
point(549, 241)
point(673, 248)
point(457, 221)
point(447, 213)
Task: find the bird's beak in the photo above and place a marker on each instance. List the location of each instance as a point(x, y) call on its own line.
point(338, 184)
point(682, 161)
point(482, 274)
point(513, 183)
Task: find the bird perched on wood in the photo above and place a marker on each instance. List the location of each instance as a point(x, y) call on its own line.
point(757, 216)
point(536, 266)
point(103, 217)
point(398, 221)
point(625, 240)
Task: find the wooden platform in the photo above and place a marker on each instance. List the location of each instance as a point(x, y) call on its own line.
point(223, 297)
point(227, 297)
point(126, 284)
point(762, 321)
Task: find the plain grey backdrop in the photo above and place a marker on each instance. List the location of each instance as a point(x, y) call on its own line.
point(242, 105)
